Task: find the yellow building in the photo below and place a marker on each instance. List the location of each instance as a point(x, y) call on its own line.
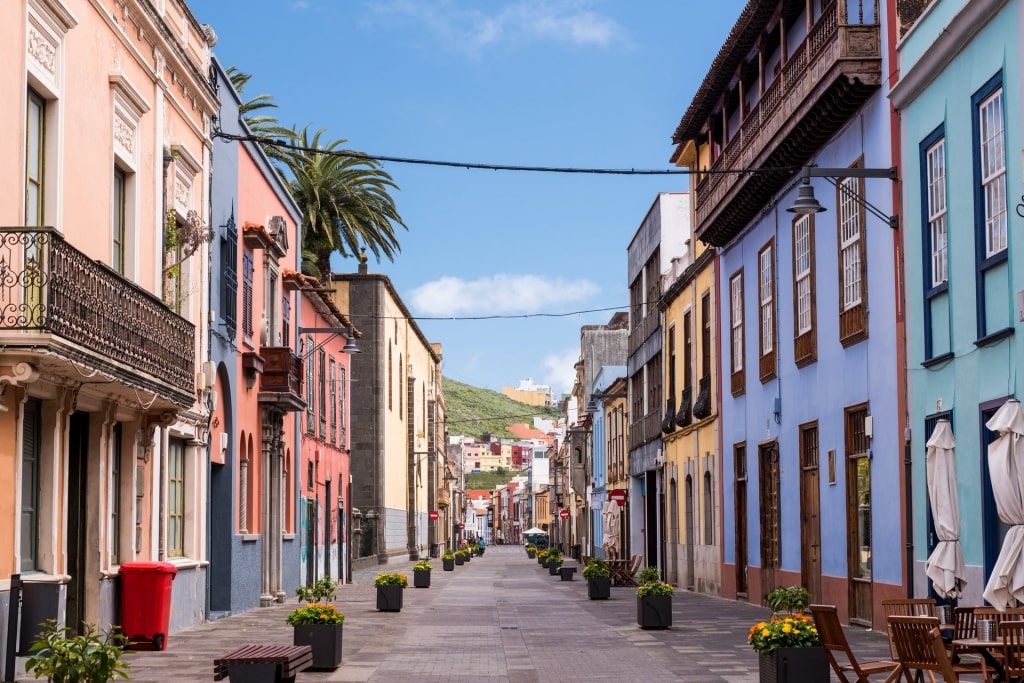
point(689, 429)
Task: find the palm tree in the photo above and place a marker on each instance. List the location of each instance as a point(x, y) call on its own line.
point(343, 194)
point(344, 197)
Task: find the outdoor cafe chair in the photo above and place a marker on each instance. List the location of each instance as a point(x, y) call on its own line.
point(964, 627)
point(907, 607)
point(840, 656)
point(919, 647)
point(1012, 634)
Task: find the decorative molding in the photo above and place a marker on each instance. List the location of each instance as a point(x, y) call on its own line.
point(124, 135)
point(43, 51)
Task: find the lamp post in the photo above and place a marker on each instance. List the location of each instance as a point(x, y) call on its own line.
point(806, 203)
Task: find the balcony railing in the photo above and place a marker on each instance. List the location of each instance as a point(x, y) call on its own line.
point(838, 51)
point(282, 376)
point(49, 287)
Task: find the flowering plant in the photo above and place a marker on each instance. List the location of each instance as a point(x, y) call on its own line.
point(315, 613)
point(596, 568)
point(422, 566)
point(447, 555)
point(783, 631)
point(653, 588)
point(384, 579)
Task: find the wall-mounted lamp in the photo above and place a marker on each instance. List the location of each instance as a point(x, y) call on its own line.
point(349, 332)
point(777, 410)
point(592, 406)
point(806, 203)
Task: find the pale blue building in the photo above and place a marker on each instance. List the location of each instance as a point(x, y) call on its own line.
point(959, 104)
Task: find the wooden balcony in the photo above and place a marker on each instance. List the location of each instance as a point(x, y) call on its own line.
point(281, 380)
point(822, 85)
point(71, 315)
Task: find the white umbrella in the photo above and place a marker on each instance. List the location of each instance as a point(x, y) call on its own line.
point(1005, 586)
point(945, 566)
point(535, 532)
point(610, 518)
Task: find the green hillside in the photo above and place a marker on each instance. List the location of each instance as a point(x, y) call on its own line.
point(473, 411)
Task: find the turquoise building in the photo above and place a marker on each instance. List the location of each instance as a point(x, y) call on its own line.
point(958, 99)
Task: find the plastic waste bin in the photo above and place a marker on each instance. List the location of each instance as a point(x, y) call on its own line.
point(146, 603)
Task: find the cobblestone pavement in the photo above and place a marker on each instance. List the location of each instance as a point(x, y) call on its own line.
point(501, 617)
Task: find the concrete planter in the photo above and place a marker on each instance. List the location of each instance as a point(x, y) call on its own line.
point(325, 641)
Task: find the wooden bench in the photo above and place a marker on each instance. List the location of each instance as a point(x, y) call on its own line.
point(256, 663)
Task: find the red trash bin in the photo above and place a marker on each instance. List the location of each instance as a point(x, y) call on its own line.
point(146, 603)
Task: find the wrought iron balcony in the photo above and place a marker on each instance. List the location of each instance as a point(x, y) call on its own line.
point(823, 83)
point(281, 379)
point(58, 304)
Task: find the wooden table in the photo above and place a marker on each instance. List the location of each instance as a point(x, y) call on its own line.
point(986, 648)
point(621, 572)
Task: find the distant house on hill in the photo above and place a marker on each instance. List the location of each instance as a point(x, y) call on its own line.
point(531, 394)
point(524, 431)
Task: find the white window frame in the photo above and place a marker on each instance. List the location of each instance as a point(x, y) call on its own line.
point(736, 312)
point(802, 273)
point(765, 272)
point(992, 143)
point(850, 236)
point(935, 173)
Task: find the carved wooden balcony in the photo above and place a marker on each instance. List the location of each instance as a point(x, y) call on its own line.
point(824, 82)
point(281, 381)
point(62, 309)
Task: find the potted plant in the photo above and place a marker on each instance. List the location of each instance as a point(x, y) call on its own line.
point(554, 561)
point(319, 626)
point(321, 590)
point(599, 580)
point(531, 550)
point(467, 554)
point(448, 561)
point(460, 557)
point(93, 657)
point(542, 557)
point(653, 599)
point(421, 574)
point(787, 643)
point(390, 587)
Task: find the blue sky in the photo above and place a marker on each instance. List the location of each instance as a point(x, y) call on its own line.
point(562, 83)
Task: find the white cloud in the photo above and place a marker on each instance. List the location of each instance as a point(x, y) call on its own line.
point(299, 5)
point(561, 369)
point(500, 294)
point(469, 28)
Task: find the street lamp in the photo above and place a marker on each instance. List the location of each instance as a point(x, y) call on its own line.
point(349, 331)
point(806, 203)
point(598, 396)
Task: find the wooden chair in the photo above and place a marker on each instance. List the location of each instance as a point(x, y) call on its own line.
point(907, 607)
point(1012, 634)
point(919, 647)
point(964, 659)
point(833, 638)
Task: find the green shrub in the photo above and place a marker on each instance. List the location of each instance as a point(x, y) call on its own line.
point(321, 590)
point(648, 574)
point(596, 568)
point(93, 657)
point(789, 599)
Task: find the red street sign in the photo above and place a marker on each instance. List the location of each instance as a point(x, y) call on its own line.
point(433, 514)
point(618, 495)
point(564, 513)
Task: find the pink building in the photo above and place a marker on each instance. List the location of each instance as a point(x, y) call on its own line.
point(103, 430)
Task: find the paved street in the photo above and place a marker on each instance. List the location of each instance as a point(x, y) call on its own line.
point(499, 618)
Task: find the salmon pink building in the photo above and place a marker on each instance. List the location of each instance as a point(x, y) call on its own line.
point(103, 430)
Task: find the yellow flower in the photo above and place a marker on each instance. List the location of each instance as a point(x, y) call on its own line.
point(765, 633)
point(786, 628)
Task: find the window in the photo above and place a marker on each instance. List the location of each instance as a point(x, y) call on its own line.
point(687, 359)
point(705, 335)
point(30, 453)
point(229, 275)
point(853, 321)
point(994, 281)
point(766, 309)
point(310, 387)
point(334, 401)
point(115, 495)
point(992, 147)
point(858, 493)
point(342, 387)
point(709, 514)
point(804, 336)
point(175, 498)
point(391, 380)
point(736, 331)
point(35, 150)
point(247, 275)
point(935, 178)
point(322, 384)
point(118, 227)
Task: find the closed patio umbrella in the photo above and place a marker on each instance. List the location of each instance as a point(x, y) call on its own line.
point(610, 520)
point(945, 566)
point(1005, 586)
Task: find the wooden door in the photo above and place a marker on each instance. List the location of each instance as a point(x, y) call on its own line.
point(740, 517)
point(768, 460)
point(810, 512)
point(858, 515)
